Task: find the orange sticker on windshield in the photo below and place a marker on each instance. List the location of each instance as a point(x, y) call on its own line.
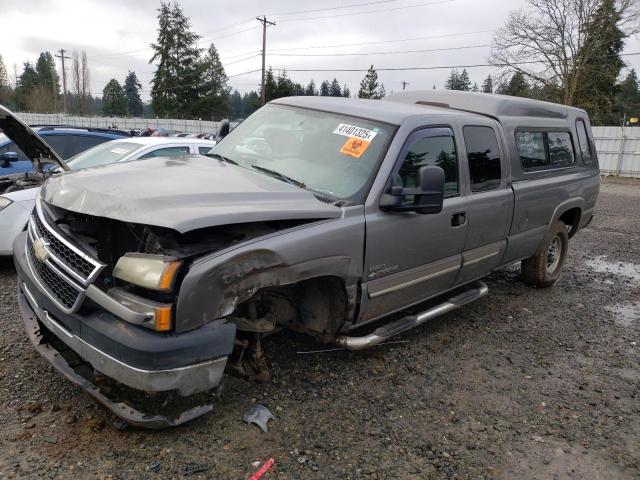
point(354, 147)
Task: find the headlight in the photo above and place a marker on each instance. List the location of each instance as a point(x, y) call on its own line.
point(4, 203)
point(155, 272)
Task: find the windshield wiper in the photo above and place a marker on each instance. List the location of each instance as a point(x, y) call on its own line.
point(279, 175)
point(221, 157)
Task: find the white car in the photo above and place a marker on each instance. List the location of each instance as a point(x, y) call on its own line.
point(16, 206)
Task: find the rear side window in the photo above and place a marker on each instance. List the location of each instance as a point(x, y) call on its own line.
point(204, 150)
point(583, 140)
point(80, 143)
point(483, 157)
point(167, 152)
point(560, 149)
point(431, 151)
point(543, 150)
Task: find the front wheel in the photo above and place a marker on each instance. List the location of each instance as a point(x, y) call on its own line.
point(545, 267)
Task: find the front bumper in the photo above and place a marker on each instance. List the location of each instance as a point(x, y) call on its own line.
point(141, 359)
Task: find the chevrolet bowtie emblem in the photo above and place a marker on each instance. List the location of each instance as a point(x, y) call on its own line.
point(40, 251)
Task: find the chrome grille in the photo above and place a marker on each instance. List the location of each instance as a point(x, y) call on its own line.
point(62, 252)
point(54, 284)
point(67, 257)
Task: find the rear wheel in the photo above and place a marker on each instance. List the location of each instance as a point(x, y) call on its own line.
point(544, 268)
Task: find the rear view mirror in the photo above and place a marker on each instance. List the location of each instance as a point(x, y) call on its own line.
point(428, 197)
point(6, 158)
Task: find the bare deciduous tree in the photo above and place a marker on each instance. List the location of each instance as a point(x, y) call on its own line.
point(80, 82)
point(550, 41)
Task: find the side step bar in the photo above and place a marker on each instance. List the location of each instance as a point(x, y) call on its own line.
point(478, 290)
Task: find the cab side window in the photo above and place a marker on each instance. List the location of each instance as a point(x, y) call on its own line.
point(483, 156)
point(541, 150)
point(438, 151)
point(583, 140)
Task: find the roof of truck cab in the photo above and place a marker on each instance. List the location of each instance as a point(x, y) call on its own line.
point(378, 110)
point(490, 104)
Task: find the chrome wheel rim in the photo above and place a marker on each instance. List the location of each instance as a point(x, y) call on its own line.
point(554, 252)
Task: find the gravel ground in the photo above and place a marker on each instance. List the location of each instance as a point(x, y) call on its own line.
point(526, 384)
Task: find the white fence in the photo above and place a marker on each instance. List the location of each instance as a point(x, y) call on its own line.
point(187, 126)
point(618, 150)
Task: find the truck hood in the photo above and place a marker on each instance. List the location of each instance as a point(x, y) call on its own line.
point(182, 194)
point(28, 141)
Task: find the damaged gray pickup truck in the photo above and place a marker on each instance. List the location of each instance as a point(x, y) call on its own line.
point(144, 281)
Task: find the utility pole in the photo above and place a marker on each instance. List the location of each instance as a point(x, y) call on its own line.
point(64, 76)
point(264, 23)
point(404, 84)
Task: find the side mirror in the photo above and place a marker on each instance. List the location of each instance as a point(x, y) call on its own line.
point(428, 197)
point(225, 128)
point(7, 157)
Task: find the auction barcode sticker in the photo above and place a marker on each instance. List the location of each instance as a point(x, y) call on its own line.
point(355, 131)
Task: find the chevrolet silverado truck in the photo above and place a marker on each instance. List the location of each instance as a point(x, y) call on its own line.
point(144, 282)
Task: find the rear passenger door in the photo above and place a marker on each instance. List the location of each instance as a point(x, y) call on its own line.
point(489, 202)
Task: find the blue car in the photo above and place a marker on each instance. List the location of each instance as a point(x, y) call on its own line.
point(66, 141)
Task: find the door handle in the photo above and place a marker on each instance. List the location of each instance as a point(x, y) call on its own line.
point(459, 219)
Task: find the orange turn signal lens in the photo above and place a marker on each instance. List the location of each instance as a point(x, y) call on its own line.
point(169, 275)
point(163, 319)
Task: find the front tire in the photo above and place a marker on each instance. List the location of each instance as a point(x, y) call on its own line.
point(544, 268)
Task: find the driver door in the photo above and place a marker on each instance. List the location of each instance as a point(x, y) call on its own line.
point(410, 256)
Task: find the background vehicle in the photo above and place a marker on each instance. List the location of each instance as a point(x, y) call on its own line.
point(321, 215)
point(15, 207)
point(67, 142)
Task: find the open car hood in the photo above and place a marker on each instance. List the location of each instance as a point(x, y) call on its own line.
point(28, 141)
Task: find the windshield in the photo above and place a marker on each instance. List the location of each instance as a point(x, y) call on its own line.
point(102, 154)
point(326, 152)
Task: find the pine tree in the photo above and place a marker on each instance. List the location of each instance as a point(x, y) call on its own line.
point(334, 88)
point(311, 89)
point(487, 85)
point(114, 100)
point(236, 105)
point(369, 86)
point(132, 88)
point(517, 86)
point(346, 93)
point(596, 91)
point(284, 86)
point(628, 98)
point(453, 80)
point(465, 82)
point(177, 79)
point(475, 87)
point(324, 88)
point(250, 103)
point(26, 85)
point(270, 85)
point(213, 89)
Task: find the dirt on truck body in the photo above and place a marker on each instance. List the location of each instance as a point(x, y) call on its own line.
point(315, 215)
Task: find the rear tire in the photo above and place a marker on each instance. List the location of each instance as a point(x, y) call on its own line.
point(544, 268)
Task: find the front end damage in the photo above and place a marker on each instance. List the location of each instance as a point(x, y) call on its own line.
point(90, 326)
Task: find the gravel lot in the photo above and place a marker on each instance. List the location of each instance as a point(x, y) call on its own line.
point(524, 384)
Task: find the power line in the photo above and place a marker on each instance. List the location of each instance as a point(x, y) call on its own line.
point(381, 41)
point(367, 12)
point(377, 53)
point(392, 69)
point(332, 8)
point(200, 83)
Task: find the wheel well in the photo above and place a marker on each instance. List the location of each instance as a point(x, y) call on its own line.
point(571, 218)
point(316, 305)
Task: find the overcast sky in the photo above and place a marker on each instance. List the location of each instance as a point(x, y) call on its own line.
point(116, 35)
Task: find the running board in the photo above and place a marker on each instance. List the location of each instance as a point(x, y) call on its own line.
point(389, 330)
